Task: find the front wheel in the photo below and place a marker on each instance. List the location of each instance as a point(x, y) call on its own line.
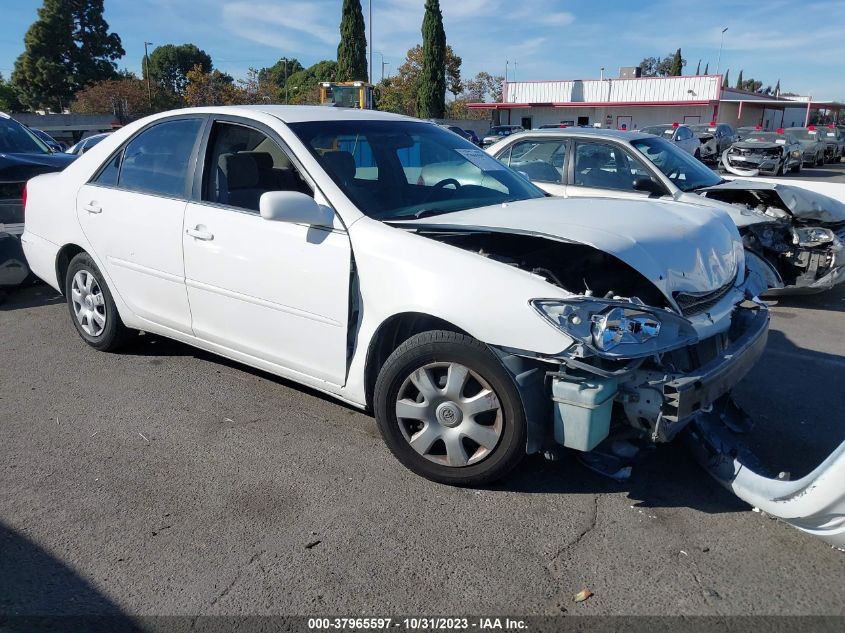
point(92, 308)
point(449, 410)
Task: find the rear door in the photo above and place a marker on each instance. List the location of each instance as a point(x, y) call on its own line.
point(132, 213)
point(275, 291)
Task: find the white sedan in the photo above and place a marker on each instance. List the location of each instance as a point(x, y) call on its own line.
point(479, 321)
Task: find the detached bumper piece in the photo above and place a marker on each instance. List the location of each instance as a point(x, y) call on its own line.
point(814, 504)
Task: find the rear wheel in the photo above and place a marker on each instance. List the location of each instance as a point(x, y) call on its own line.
point(92, 308)
point(449, 410)
point(819, 160)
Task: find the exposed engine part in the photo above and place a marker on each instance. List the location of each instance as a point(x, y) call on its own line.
point(796, 263)
point(576, 268)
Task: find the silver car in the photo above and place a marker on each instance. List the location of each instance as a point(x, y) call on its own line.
point(813, 147)
point(795, 237)
point(679, 134)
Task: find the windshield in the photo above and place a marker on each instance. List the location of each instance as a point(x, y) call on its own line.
point(803, 133)
point(685, 172)
point(700, 128)
point(763, 137)
point(16, 139)
point(405, 169)
point(659, 130)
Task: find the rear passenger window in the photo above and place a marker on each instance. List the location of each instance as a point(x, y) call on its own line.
point(109, 174)
point(540, 160)
point(242, 164)
point(156, 161)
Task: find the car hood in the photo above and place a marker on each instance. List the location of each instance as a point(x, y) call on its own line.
point(22, 167)
point(801, 203)
point(678, 247)
point(755, 145)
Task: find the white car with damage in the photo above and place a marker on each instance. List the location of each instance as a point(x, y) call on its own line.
point(479, 322)
point(793, 236)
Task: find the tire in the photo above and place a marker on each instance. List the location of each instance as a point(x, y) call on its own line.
point(819, 160)
point(782, 169)
point(697, 154)
point(796, 169)
point(105, 332)
point(429, 360)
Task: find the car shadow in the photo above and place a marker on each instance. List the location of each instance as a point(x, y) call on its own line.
point(41, 593)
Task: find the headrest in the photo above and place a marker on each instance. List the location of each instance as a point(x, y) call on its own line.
point(263, 160)
point(340, 164)
point(241, 170)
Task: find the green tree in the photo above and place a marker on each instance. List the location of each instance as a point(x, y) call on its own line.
point(676, 69)
point(698, 68)
point(170, 64)
point(739, 83)
point(431, 95)
point(66, 48)
point(8, 99)
point(352, 50)
point(278, 74)
point(726, 82)
point(707, 68)
point(303, 85)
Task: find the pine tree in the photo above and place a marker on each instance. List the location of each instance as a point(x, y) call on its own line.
point(352, 50)
point(698, 68)
point(431, 95)
point(726, 81)
point(68, 47)
point(676, 69)
point(739, 83)
point(707, 68)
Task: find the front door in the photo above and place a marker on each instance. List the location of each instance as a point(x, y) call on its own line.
point(602, 169)
point(272, 290)
point(132, 213)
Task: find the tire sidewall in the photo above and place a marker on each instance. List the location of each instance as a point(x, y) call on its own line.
point(108, 337)
point(476, 356)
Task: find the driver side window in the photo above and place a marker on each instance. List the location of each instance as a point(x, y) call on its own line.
point(242, 164)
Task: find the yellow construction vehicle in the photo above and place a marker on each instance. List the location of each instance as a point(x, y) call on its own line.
point(347, 94)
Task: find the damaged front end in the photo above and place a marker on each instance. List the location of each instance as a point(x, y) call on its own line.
point(752, 159)
point(802, 247)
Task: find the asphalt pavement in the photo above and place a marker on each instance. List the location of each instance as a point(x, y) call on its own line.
point(165, 480)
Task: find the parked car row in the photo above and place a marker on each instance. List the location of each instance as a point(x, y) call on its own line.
point(392, 264)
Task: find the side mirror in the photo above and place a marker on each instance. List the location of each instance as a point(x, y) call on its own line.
point(294, 207)
point(649, 186)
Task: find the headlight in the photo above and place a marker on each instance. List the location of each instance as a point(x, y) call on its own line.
point(617, 328)
point(814, 236)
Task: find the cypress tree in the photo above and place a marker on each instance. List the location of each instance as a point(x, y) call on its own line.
point(777, 88)
point(739, 80)
point(431, 95)
point(352, 50)
point(676, 69)
point(707, 68)
point(68, 47)
point(698, 68)
point(726, 82)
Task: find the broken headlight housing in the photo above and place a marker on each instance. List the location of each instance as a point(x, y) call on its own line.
point(812, 236)
point(617, 328)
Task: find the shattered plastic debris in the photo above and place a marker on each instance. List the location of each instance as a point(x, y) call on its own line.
point(583, 595)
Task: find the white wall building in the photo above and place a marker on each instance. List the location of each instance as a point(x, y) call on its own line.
point(633, 103)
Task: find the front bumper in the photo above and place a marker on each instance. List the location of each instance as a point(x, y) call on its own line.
point(753, 163)
point(655, 400)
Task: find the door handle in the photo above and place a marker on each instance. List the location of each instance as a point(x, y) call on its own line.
point(200, 234)
point(93, 207)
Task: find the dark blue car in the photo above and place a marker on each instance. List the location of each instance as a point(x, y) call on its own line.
point(22, 156)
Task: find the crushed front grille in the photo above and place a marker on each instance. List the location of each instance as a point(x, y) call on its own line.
point(692, 303)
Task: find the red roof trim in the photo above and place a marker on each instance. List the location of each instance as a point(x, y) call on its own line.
point(589, 104)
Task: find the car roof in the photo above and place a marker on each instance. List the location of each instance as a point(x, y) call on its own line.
point(605, 133)
point(300, 113)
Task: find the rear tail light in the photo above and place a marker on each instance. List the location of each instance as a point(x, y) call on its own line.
point(23, 199)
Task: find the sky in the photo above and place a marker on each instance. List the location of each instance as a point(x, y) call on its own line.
point(800, 43)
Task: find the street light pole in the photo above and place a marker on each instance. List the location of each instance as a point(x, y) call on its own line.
point(147, 73)
point(370, 22)
point(383, 64)
point(285, 59)
point(719, 61)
